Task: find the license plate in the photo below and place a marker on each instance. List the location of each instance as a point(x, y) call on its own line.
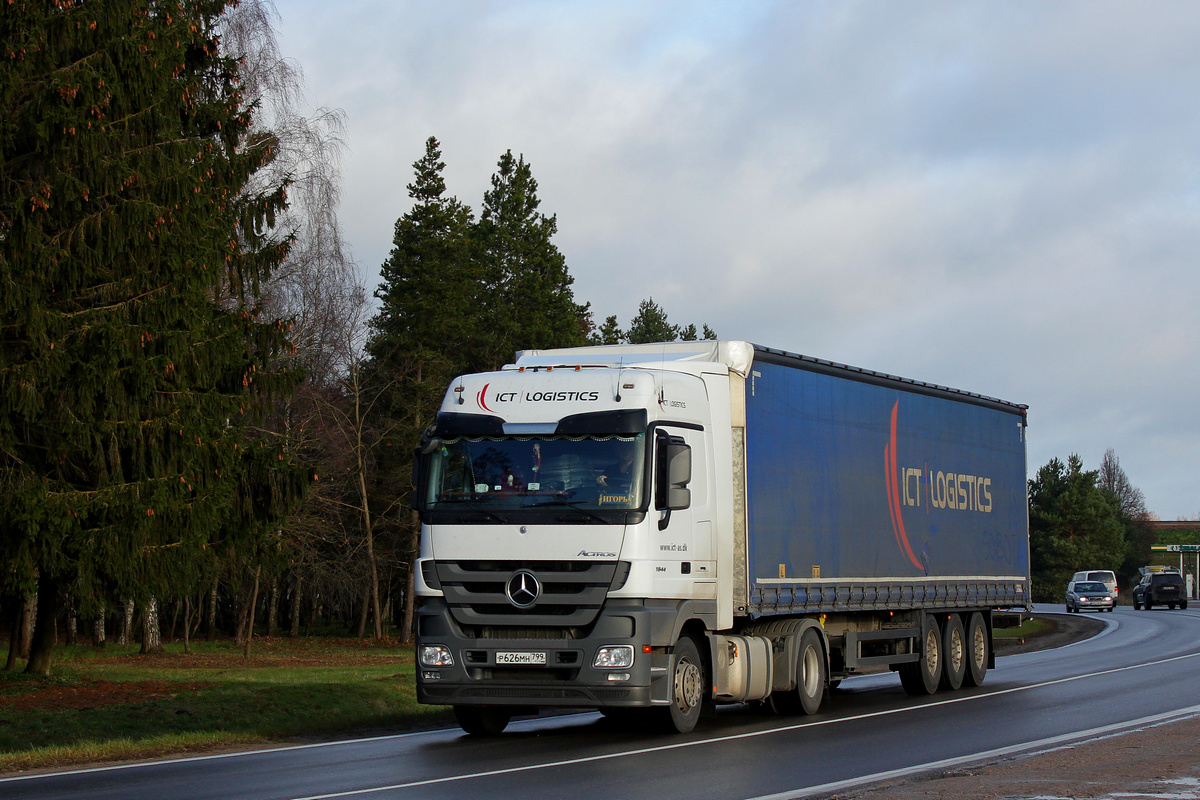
point(521, 658)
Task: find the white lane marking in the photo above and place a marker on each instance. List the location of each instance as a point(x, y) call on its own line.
point(1037, 747)
point(1067, 737)
point(215, 756)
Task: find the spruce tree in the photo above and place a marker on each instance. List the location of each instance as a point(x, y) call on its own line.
point(431, 292)
point(131, 347)
point(651, 325)
point(529, 287)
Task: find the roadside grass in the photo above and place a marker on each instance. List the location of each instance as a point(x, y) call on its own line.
point(1030, 626)
point(110, 703)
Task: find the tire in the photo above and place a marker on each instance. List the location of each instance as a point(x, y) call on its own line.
point(1183, 605)
point(687, 687)
point(954, 654)
point(924, 676)
point(811, 676)
point(1136, 605)
point(977, 650)
point(1068, 608)
point(1146, 602)
point(1171, 606)
point(482, 720)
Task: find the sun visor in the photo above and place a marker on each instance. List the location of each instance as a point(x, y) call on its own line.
point(631, 420)
point(450, 425)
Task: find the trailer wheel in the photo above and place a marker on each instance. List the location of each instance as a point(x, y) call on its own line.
point(923, 677)
point(687, 687)
point(977, 650)
point(954, 654)
point(482, 720)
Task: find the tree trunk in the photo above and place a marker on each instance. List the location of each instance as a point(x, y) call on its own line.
point(98, 629)
point(14, 635)
point(253, 608)
point(72, 621)
point(187, 623)
point(126, 624)
point(151, 634)
point(406, 633)
point(294, 627)
point(28, 618)
point(414, 547)
point(42, 642)
point(272, 608)
point(175, 621)
point(360, 629)
point(210, 621)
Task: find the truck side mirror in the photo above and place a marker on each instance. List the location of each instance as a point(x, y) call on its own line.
point(420, 469)
point(674, 474)
point(430, 444)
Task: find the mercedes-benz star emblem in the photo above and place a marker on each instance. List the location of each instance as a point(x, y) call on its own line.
point(523, 589)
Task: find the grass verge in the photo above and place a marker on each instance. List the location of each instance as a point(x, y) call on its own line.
point(113, 704)
point(1031, 626)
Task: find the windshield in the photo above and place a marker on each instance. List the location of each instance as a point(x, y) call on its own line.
point(1090, 587)
point(524, 472)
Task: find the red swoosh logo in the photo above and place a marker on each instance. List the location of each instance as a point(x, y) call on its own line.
point(481, 398)
point(892, 479)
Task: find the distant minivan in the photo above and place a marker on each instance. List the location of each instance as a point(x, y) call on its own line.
point(1105, 576)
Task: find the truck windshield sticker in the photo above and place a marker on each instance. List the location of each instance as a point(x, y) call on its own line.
point(527, 472)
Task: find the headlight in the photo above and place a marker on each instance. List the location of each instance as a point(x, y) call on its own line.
point(436, 655)
point(614, 656)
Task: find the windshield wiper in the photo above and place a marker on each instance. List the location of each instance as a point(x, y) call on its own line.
point(574, 505)
point(486, 513)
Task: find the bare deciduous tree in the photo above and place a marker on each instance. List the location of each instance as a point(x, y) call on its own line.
point(1112, 478)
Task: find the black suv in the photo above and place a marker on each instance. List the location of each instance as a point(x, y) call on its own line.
point(1159, 588)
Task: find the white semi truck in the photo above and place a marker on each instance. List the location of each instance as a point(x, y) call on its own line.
point(651, 530)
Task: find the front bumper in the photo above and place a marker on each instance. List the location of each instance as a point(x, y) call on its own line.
point(566, 679)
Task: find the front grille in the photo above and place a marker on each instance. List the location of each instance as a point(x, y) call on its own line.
point(573, 592)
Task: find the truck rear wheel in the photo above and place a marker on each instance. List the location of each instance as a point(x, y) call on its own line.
point(924, 676)
point(687, 687)
point(482, 720)
point(977, 650)
point(954, 654)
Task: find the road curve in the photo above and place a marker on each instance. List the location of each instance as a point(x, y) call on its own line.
point(1129, 676)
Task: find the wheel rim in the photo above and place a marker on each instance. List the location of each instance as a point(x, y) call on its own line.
point(933, 658)
point(979, 647)
point(956, 650)
point(810, 680)
point(687, 685)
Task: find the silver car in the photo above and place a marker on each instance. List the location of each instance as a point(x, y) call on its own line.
point(1084, 595)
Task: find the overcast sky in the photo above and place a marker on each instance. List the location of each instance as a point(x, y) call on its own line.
point(998, 197)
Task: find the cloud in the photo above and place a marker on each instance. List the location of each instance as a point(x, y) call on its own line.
point(1001, 198)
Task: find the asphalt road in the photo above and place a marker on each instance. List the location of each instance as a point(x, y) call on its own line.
point(1135, 674)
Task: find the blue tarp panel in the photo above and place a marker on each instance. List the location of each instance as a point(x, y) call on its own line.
point(868, 480)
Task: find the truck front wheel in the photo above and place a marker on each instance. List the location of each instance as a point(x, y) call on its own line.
point(482, 720)
point(924, 676)
point(687, 687)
